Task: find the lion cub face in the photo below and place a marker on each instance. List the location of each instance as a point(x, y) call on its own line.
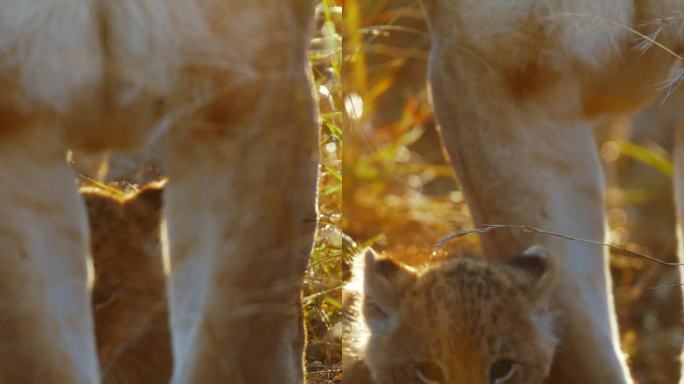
point(466, 321)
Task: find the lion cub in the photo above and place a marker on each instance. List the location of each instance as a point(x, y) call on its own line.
point(465, 321)
point(129, 297)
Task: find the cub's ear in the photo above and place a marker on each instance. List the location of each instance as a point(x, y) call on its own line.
point(150, 196)
point(539, 268)
point(385, 282)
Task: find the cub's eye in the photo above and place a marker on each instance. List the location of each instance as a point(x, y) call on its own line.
point(429, 373)
point(501, 371)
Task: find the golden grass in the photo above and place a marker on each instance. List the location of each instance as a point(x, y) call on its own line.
point(322, 288)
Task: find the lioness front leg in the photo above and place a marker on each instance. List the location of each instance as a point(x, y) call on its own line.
point(550, 179)
point(240, 207)
point(511, 85)
point(46, 324)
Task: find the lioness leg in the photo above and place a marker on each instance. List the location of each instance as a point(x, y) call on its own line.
point(513, 123)
point(46, 327)
point(240, 213)
point(240, 219)
point(548, 178)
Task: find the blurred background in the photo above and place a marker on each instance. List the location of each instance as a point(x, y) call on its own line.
point(401, 196)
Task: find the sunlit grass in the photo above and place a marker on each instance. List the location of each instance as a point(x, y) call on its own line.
point(386, 181)
point(322, 295)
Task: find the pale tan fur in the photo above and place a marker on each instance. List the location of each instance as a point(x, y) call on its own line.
point(516, 88)
point(223, 87)
point(452, 323)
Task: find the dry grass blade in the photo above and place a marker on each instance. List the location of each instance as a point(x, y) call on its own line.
point(484, 228)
